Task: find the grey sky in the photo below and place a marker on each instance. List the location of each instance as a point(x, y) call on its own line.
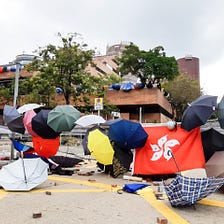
point(181, 27)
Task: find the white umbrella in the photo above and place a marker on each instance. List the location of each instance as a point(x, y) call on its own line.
point(29, 106)
point(23, 174)
point(91, 119)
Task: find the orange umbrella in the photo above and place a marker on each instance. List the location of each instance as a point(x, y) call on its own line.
point(46, 147)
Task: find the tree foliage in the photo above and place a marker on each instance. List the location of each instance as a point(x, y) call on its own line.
point(182, 91)
point(64, 67)
point(147, 64)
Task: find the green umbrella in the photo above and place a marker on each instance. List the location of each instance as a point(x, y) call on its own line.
point(62, 118)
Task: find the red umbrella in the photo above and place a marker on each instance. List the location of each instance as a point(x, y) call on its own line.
point(46, 147)
point(27, 122)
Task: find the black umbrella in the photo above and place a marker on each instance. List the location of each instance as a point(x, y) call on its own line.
point(198, 112)
point(13, 119)
point(221, 112)
point(212, 141)
point(40, 126)
point(121, 161)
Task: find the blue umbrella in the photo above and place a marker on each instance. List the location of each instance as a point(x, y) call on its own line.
point(188, 190)
point(20, 147)
point(127, 134)
point(127, 86)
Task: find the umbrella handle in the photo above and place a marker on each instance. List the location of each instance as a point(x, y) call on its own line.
point(24, 171)
point(175, 161)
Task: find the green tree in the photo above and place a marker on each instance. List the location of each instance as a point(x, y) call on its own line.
point(147, 64)
point(65, 67)
point(182, 91)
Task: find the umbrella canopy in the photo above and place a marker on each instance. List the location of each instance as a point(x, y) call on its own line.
point(198, 112)
point(27, 119)
point(91, 119)
point(127, 134)
point(46, 147)
point(62, 118)
point(13, 177)
point(212, 141)
point(40, 126)
point(121, 161)
point(127, 86)
point(215, 165)
point(65, 161)
point(221, 112)
point(20, 147)
point(85, 139)
point(13, 119)
point(188, 190)
point(29, 106)
point(100, 147)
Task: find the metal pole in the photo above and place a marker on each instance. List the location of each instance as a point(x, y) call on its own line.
point(140, 115)
point(16, 90)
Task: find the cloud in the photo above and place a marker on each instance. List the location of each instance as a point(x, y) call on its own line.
point(181, 27)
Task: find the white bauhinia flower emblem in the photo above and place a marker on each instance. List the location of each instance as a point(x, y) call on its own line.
point(163, 148)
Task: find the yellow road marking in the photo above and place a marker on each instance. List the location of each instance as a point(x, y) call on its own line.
point(84, 182)
point(3, 194)
point(145, 193)
point(168, 213)
point(211, 203)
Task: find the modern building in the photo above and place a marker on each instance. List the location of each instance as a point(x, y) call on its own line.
point(190, 66)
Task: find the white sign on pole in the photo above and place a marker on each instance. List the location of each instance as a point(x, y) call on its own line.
point(98, 104)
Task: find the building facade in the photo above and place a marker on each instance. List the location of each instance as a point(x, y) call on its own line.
point(144, 105)
point(190, 66)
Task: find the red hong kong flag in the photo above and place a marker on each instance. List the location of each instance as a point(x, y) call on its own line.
point(155, 158)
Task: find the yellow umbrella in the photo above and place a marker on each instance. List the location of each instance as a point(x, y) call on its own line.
point(100, 147)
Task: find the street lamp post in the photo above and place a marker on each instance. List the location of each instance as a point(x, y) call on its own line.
point(16, 90)
point(21, 60)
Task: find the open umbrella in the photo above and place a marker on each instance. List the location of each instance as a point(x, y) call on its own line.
point(100, 147)
point(62, 118)
point(215, 165)
point(27, 119)
point(121, 161)
point(13, 119)
point(13, 178)
point(212, 141)
point(20, 147)
point(184, 190)
point(127, 134)
point(29, 106)
point(46, 147)
point(198, 112)
point(91, 119)
point(40, 126)
point(85, 139)
point(221, 112)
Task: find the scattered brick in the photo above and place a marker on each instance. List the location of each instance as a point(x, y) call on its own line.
point(37, 215)
point(162, 220)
